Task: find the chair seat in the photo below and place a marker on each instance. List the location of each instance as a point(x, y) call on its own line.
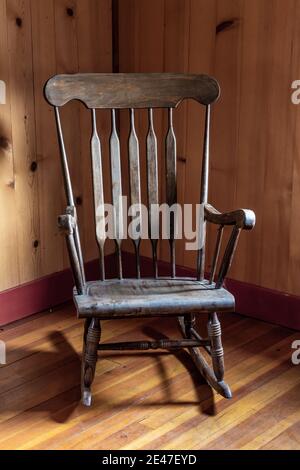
point(117, 298)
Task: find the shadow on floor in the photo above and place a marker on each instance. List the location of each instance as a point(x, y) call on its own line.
point(49, 381)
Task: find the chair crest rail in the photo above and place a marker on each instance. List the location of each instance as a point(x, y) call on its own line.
point(131, 90)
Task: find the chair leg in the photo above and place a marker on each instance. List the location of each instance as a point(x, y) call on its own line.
point(186, 324)
point(217, 353)
point(91, 339)
point(189, 323)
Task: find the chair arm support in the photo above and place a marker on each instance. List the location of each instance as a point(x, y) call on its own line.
point(68, 221)
point(241, 218)
point(68, 224)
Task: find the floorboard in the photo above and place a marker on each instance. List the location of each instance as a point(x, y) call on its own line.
point(146, 400)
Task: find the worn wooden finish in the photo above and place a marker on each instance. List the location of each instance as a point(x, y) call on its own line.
point(116, 185)
point(216, 349)
point(98, 191)
point(67, 223)
point(173, 296)
point(242, 218)
point(152, 187)
point(203, 195)
point(142, 90)
point(89, 358)
point(135, 187)
point(216, 253)
point(151, 297)
point(146, 345)
point(171, 185)
point(213, 377)
point(69, 194)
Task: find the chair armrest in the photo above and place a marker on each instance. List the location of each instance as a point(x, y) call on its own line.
point(241, 218)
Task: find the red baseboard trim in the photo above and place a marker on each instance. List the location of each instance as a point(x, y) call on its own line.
point(47, 292)
point(266, 304)
point(251, 300)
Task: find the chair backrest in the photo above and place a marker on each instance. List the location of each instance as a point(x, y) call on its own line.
point(132, 91)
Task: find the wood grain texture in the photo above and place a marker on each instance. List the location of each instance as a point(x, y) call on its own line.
point(252, 50)
point(135, 393)
point(116, 185)
point(171, 185)
point(98, 191)
point(152, 188)
point(8, 231)
point(151, 297)
point(151, 90)
point(20, 66)
point(37, 40)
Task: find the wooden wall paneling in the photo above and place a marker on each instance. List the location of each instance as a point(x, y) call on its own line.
point(294, 245)
point(93, 26)
point(66, 42)
point(128, 55)
point(141, 46)
point(279, 130)
point(23, 139)
point(50, 197)
point(201, 60)
point(151, 59)
point(253, 132)
point(37, 40)
point(176, 59)
point(224, 128)
point(8, 218)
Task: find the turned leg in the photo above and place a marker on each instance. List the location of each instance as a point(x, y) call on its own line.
point(214, 377)
point(86, 327)
point(217, 353)
point(89, 357)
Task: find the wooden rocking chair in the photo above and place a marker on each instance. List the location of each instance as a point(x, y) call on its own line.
point(158, 296)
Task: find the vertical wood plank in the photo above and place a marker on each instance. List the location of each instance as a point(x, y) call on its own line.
point(8, 217)
point(94, 43)
point(66, 46)
point(23, 138)
point(202, 31)
point(141, 46)
point(50, 197)
point(277, 129)
point(176, 59)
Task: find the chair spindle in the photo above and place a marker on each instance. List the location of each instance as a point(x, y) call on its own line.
point(216, 253)
point(171, 187)
point(203, 195)
point(69, 190)
point(152, 187)
point(228, 255)
point(135, 187)
point(116, 184)
point(98, 191)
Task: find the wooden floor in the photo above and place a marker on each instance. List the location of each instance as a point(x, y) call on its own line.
point(146, 400)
